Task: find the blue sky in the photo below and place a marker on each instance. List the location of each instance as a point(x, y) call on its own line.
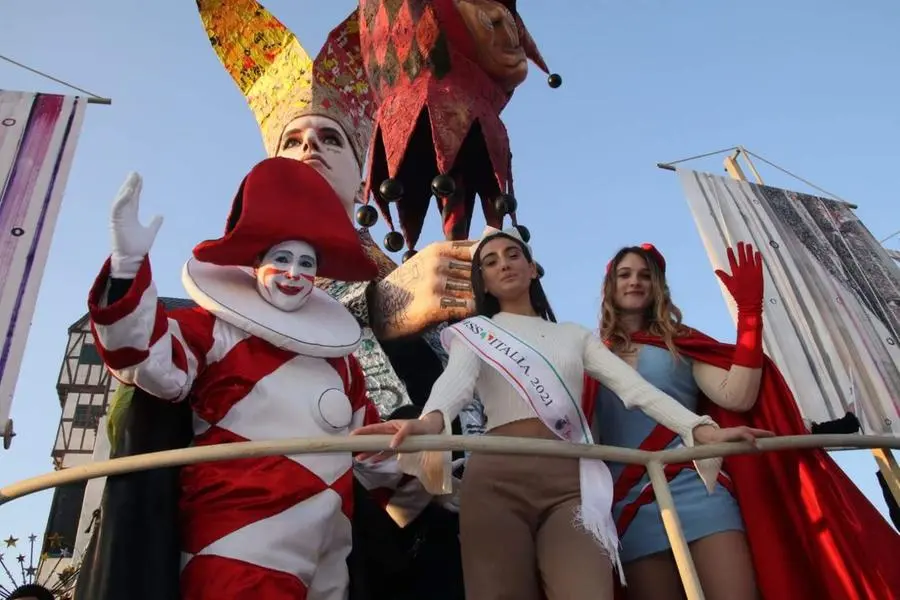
point(808, 84)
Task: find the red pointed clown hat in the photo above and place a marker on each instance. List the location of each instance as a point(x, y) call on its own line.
point(282, 200)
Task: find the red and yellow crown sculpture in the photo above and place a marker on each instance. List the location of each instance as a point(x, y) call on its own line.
point(279, 79)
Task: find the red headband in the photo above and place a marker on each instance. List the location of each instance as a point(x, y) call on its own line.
point(653, 252)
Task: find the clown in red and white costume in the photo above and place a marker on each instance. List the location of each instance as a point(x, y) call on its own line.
point(266, 356)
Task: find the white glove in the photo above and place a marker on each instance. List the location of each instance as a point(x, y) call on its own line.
point(131, 241)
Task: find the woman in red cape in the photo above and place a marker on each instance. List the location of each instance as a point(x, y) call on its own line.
point(811, 533)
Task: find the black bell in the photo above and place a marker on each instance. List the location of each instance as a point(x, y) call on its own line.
point(366, 215)
point(443, 186)
point(393, 241)
point(554, 80)
point(505, 204)
point(523, 231)
point(408, 255)
point(391, 190)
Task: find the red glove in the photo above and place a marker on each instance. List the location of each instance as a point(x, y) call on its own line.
point(745, 284)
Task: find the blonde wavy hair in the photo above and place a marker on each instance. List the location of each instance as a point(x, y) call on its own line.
point(662, 318)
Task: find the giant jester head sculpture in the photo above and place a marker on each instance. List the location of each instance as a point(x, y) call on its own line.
point(319, 111)
point(442, 71)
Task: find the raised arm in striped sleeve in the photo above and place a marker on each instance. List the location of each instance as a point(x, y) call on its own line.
point(144, 346)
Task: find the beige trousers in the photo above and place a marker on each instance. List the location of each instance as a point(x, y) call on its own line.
point(519, 538)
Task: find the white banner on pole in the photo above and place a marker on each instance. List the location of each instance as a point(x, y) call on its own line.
point(38, 136)
point(832, 294)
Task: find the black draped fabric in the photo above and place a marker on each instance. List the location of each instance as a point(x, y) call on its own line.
point(134, 551)
point(421, 561)
point(417, 562)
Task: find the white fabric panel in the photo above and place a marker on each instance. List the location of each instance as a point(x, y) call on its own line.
point(832, 294)
point(38, 136)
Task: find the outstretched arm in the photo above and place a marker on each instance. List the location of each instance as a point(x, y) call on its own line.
point(635, 392)
point(452, 391)
point(603, 365)
point(455, 388)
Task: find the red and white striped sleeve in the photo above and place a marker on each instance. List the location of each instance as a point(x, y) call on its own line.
point(144, 346)
point(401, 495)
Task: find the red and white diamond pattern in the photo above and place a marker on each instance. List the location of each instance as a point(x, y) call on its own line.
point(274, 527)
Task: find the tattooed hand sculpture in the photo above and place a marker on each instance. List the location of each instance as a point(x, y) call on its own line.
point(432, 287)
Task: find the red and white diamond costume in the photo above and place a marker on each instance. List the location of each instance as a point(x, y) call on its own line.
point(273, 528)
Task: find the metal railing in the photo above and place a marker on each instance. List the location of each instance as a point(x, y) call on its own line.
point(654, 462)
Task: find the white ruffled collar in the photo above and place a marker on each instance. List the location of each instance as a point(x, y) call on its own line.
point(321, 328)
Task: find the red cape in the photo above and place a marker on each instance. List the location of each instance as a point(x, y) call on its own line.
point(812, 533)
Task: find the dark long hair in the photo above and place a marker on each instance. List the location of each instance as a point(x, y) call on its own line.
point(487, 305)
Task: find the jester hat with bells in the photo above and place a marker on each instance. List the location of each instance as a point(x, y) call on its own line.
point(278, 78)
point(432, 65)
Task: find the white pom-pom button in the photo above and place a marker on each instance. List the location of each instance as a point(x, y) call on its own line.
point(335, 412)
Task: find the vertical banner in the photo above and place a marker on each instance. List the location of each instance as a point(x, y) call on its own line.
point(832, 294)
point(38, 135)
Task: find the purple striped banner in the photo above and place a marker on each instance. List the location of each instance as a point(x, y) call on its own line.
point(38, 136)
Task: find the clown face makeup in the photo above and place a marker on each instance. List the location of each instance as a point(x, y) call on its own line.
point(286, 274)
point(321, 143)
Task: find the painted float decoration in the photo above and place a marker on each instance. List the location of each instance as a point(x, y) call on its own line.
point(441, 72)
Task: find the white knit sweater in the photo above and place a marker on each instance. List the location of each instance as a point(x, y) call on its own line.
point(573, 350)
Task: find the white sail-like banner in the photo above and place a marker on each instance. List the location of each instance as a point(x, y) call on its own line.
point(832, 294)
point(38, 136)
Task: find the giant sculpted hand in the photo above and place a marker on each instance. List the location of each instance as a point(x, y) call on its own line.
point(432, 287)
point(131, 241)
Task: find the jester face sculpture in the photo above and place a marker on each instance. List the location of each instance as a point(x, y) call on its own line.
point(320, 142)
point(495, 35)
point(441, 72)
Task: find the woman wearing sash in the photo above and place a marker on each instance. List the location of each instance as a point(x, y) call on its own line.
point(515, 512)
point(791, 538)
